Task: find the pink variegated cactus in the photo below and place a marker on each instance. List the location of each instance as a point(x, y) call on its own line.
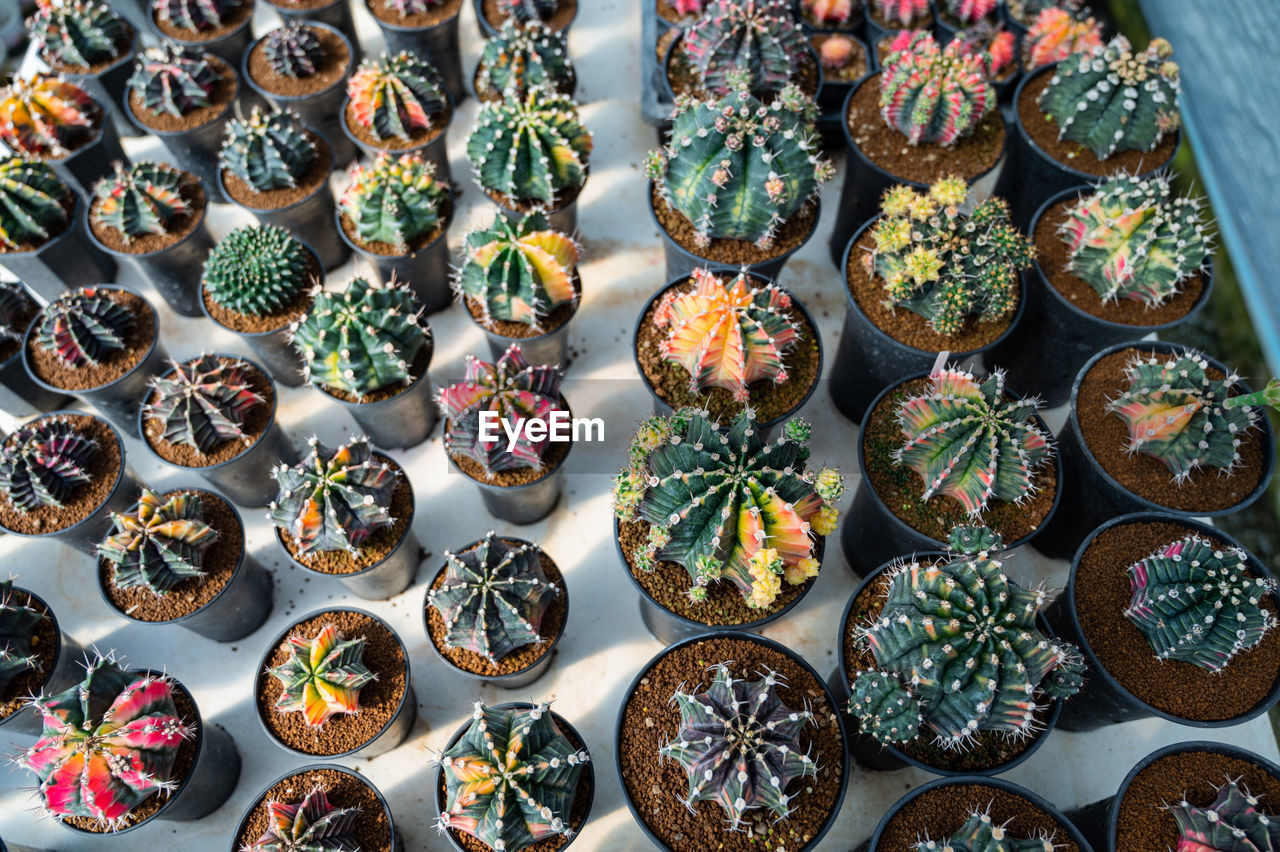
point(936, 95)
point(687, 7)
point(109, 744)
point(1057, 34)
point(901, 12)
point(970, 11)
point(829, 12)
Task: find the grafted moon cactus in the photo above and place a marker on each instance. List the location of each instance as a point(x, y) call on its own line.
point(268, 150)
point(312, 825)
point(322, 677)
point(396, 97)
point(256, 270)
point(195, 15)
point(996, 45)
point(980, 833)
point(395, 200)
point(970, 11)
point(44, 463)
point(519, 271)
point(293, 50)
point(17, 626)
point(84, 327)
point(34, 203)
point(46, 116)
point(532, 148)
point(759, 39)
point(901, 13)
point(203, 403)
point(159, 543)
point(739, 743)
point(523, 57)
point(1056, 35)
point(936, 95)
point(832, 13)
point(142, 198)
point(173, 80)
point(77, 33)
point(1232, 823)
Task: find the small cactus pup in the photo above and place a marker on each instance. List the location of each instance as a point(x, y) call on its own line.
point(1057, 34)
point(997, 46)
point(1234, 822)
point(899, 14)
point(397, 104)
point(914, 71)
point(520, 58)
point(756, 41)
point(220, 27)
point(981, 833)
point(831, 14)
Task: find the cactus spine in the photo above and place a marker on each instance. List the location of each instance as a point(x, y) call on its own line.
point(268, 150)
point(204, 402)
point(518, 271)
point(44, 463)
point(159, 543)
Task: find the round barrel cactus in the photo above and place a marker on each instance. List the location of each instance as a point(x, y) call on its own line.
point(757, 39)
point(519, 271)
point(532, 148)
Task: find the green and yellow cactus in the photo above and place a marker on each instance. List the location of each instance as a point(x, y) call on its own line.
point(395, 200)
point(523, 57)
point(396, 96)
point(518, 271)
point(47, 117)
point(145, 198)
point(35, 204)
point(532, 148)
point(322, 676)
point(268, 150)
point(934, 95)
point(173, 80)
point(758, 39)
point(203, 403)
point(159, 543)
point(77, 33)
point(45, 463)
point(18, 622)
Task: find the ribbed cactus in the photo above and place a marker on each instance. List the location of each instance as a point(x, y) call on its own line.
point(1057, 34)
point(724, 504)
point(109, 744)
point(493, 597)
point(836, 53)
point(757, 38)
point(268, 150)
point(203, 402)
point(512, 389)
point(685, 8)
point(256, 270)
point(727, 332)
point(395, 200)
point(1199, 603)
point(948, 261)
point(738, 168)
point(396, 96)
point(322, 677)
point(969, 11)
point(404, 8)
point(312, 825)
point(530, 148)
point(173, 80)
point(527, 11)
point(334, 499)
point(903, 13)
point(77, 33)
point(969, 440)
point(194, 15)
point(936, 95)
point(520, 58)
point(46, 116)
point(1133, 238)
point(739, 745)
point(996, 45)
point(293, 50)
point(16, 310)
point(1025, 12)
point(361, 339)
point(511, 778)
point(980, 833)
point(518, 271)
point(1111, 99)
point(963, 642)
point(34, 203)
point(83, 327)
point(18, 623)
point(830, 13)
point(44, 463)
point(1232, 823)
point(142, 198)
point(159, 543)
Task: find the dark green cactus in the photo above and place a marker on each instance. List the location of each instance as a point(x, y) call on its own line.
point(518, 271)
point(521, 57)
point(44, 463)
point(268, 150)
point(203, 403)
point(532, 148)
point(293, 50)
point(394, 201)
point(35, 203)
point(980, 833)
point(16, 310)
point(1232, 823)
point(397, 96)
point(256, 270)
point(84, 327)
point(173, 80)
point(195, 15)
point(77, 33)
point(159, 543)
point(142, 198)
point(17, 627)
point(756, 38)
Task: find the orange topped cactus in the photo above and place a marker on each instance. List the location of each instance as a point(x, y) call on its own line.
point(46, 116)
point(1057, 34)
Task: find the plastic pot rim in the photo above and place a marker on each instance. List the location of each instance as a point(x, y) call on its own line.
point(310, 196)
point(397, 396)
point(101, 246)
point(57, 652)
point(374, 256)
point(373, 150)
point(225, 112)
point(509, 489)
point(263, 334)
point(401, 28)
point(546, 334)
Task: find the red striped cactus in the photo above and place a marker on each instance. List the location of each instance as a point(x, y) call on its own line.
point(902, 13)
point(932, 94)
point(322, 677)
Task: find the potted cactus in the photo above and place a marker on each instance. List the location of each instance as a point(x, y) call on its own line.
point(1057, 33)
point(333, 14)
point(218, 27)
point(954, 16)
point(101, 344)
point(520, 483)
point(548, 780)
point(395, 215)
point(179, 558)
point(496, 610)
point(348, 512)
point(184, 97)
point(1159, 427)
point(677, 14)
point(845, 60)
point(732, 705)
point(890, 17)
point(19, 395)
point(367, 347)
point(1117, 262)
point(324, 805)
point(935, 271)
point(396, 105)
point(522, 57)
point(556, 15)
point(279, 171)
point(335, 683)
point(736, 554)
point(821, 16)
point(257, 281)
point(998, 48)
point(427, 28)
point(152, 216)
point(519, 281)
point(769, 219)
point(216, 415)
point(36, 657)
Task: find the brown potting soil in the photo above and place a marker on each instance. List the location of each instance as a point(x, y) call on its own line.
point(906, 326)
point(942, 811)
point(416, 369)
point(316, 176)
point(1107, 440)
point(1052, 254)
point(122, 43)
point(669, 583)
point(384, 11)
point(887, 147)
point(565, 10)
point(44, 645)
point(224, 92)
point(519, 659)
point(219, 564)
point(297, 307)
point(923, 22)
point(372, 826)
point(670, 381)
point(21, 321)
point(418, 138)
point(373, 549)
point(556, 451)
point(791, 234)
point(138, 340)
point(525, 205)
point(379, 699)
point(103, 468)
point(656, 786)
point(444, 215)
point(524, 331)
point(900, 487)
point(189, 189)
point(255, 425)
point(856, 67)
point(664, 41)
point(684, 79)
point(234, 17)
point(335, 62)
point(1044, 132)
point(1103, 592)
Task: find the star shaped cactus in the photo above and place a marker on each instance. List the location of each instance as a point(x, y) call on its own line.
point(830, 13)
point(268, 150)
point(727, 332)
point(35, 203)
point(203, 403)
point(159, 543)
point(46, 117)
point(293, 50)
point(18, 623)
point(511, 778)
point(257, 270)
point(1056, 35)
point(1232, 823)
point(194, 15)
point(518, 271)
point(84, 327)
point(312, 825)
point(959, 651)
point(901, 13)
point(493, 597)
point(143, 198)
point(739, 744)
point(395, 200)
point(334, 499)
point(980, 833)
point(931, 94)
point(969, 440)
point(45, 463)
point(396, 97)
point(760, 39)
point(532, 148)
point(109, 744)
point(523, 57)
point(77, 33)
point(173, 80)
point(322, 677)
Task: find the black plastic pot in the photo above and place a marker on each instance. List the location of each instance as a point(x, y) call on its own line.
point(426, 271)
point(92, 161)
point(521, 504)
point(434, 150)
point(66, 261)
point(1097, 496)
point(438, 44)
point(196, 149)
point(815, 841)
point(20, 396)
point(64, 670)
point(1056, 337)
point(404, 420)
point(228, 47)
point(488, 31)
point(310, 218)
point(393, 732)
point(549, 348)
point(108, 85)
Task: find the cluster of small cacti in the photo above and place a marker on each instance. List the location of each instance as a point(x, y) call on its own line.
point(993, 43)
point(958, 650)
point(159, 543)
point(969, 12)
point(931, 94)
point(758, 39)
point(35, 203)
point(532, 148)
point(311, 825)
point(195, 15)
point(395, 200)
point(901, 13)
point(268, 150)
point(739, 744)
point(945, 260)
point(530, 772)
point(981, 833)
point(493, 598)
point(16, 310)
point(203, 403)
point(1134, 238)
point(173, 80)
point(396, 96)
point(46, 116)
point(333, 499)
point(1057, 34)
point(1232, 823)
point(322, 676)
point(17, 627)
point(1111, 99)
point(711, 170)
point(84, 328)
point(109, 744)
point(77, 33)
point(724, 504)
point(141, 199)
point(514, 390)
point(44, 463)
point(256, 270)
point(293, 50)
point(830, 13)
point(528, 11)
point(969, 440)
point(523, 57)
point(518, 271)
